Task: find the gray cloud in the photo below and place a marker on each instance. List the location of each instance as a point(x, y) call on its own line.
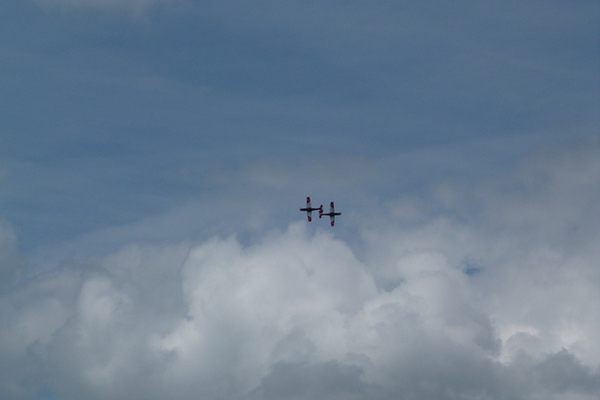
point(562, 372)
point(317, 381)
point(299, 314)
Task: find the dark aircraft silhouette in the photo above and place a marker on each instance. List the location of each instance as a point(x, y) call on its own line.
point(310, 209)
point(331, 213)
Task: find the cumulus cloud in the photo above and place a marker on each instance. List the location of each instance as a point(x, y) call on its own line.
point(477, 295)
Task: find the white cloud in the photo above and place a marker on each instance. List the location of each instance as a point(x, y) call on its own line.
point(459, 304)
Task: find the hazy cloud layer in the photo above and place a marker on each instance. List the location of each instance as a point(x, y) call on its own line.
point(493, 296)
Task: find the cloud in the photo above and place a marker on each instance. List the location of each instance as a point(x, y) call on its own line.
point(322, 380)
point(449, 297)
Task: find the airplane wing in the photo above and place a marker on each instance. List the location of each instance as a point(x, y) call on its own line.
point(332, 214)
point(308, 210)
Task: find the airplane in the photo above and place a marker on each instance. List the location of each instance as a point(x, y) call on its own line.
point(331, 213)
point(309, 209)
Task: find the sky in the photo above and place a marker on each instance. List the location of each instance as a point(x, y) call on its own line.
point(154, 155)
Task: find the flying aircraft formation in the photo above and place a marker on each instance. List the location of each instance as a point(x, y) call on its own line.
point(309, 209)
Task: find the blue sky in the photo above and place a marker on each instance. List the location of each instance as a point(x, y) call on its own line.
point(117, 111)
point(146, 134)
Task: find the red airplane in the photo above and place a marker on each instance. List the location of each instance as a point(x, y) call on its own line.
point(310, 209)
point(331, 213)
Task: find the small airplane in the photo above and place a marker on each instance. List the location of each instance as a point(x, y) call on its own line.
point(331, 213)
point(310, 209)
